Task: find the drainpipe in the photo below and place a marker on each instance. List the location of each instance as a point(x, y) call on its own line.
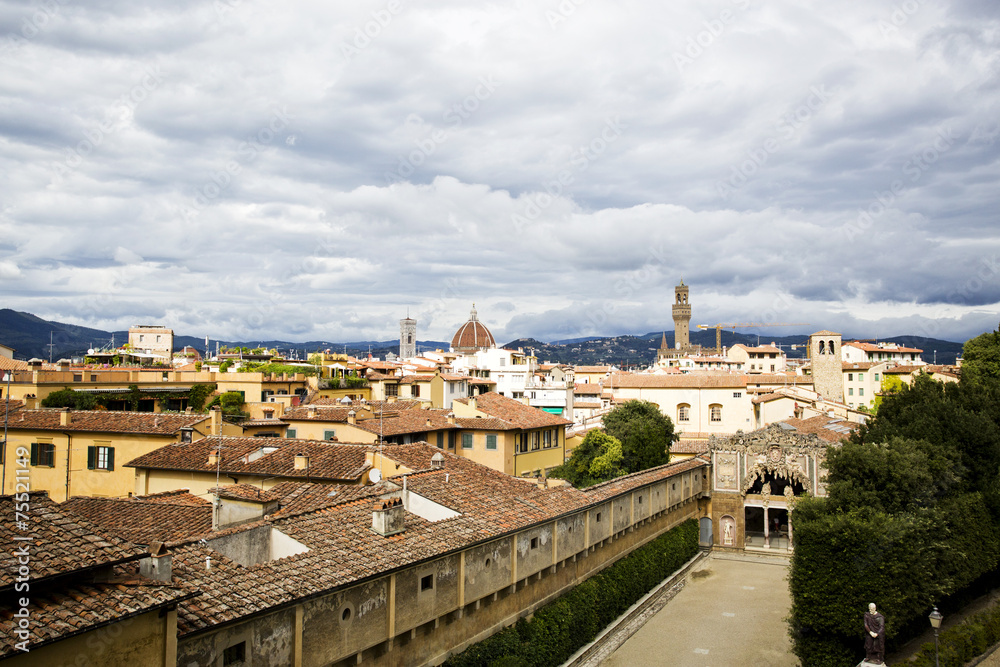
point(69, 456)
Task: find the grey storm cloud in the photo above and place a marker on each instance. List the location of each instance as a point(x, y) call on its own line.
point(246, 170)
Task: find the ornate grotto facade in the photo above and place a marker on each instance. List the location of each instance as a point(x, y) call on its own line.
point(756, 479)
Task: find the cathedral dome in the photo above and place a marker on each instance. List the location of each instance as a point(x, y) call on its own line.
point(472, 336)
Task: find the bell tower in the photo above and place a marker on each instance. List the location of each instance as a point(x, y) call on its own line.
point(682, 317)
point(407, 338)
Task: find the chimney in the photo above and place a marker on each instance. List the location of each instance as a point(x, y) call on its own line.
point(437, 461)
point(301, 461)
point(352, 417)
point(213, 455)
point(451, 417)
point(216, 427)
point(388, 517)
point(65, 418)
point(157, 566)
point(428, 422)
point(311, 412)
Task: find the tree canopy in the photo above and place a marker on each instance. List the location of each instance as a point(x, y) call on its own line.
point(636, 436)
point(981, 358)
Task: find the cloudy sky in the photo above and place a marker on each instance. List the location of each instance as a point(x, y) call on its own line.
point(251, 170)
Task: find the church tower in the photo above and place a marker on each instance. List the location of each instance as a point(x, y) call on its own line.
point(682, 317)
point(407, 338)
point(827, 370)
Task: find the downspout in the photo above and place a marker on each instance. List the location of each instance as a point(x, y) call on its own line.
point(69, 456)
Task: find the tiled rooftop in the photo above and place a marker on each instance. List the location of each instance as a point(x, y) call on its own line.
point(827, 428)
point(515, 412)
point(265, 457)
point(105, 421)
point(164, 517)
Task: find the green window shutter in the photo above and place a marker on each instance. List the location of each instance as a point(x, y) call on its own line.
point(91, 457)
point(327, 435)
point(34, 453)
point(290, 433)
point(491, 441)
point(466, 441)
point(111, 458)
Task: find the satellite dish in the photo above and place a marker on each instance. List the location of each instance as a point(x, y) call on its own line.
point(375, 476)
point(91, 350)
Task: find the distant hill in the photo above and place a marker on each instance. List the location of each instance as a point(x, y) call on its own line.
point(29, 336)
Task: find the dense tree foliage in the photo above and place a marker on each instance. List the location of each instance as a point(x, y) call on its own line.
point(981, 358)
point(67, 398)
point(912, 517)
point(645, 434)
point(636, 437)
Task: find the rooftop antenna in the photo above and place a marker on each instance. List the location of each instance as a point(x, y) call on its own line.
point(50, 346)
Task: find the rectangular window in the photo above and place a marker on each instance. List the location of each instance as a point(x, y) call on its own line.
point(683, 413)
point(534, 440)
point(427, 583)
point(329, 435)
point(861, 377)
point(77, 377)
point(93, 378)
point(100, 458)
point(598, 517)
point(290, 433)
point(772, 368)
point(534, 542)
point(466, 441)
point(235, 655)
point(876, 377)
point(850, 377)
point(43, 454)
point(548, 438)
point(716, 412)
point(861, 391)
point(491, 442)
point(392, 390)
point(850, 391)
point(440, 439)
point(415, 391)
point(737, 394)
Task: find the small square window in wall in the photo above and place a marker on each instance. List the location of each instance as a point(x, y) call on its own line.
point(290, 433)
point(329, 435)
point(466, 441)
point(235, 655)
point(534, 542)
point(427, 582)
point(598, 517)
point(491, 442)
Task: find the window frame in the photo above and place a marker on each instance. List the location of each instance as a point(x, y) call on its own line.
point(466, 441)
point(491, 442)
point(101, 457)
point(43, 455)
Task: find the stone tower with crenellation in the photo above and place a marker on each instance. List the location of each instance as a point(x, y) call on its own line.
point(682, 317)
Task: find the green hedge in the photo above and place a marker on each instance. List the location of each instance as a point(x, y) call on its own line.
point(963, 642)
point(558, 629)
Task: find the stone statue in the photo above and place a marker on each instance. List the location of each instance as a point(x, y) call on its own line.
point(874, 636)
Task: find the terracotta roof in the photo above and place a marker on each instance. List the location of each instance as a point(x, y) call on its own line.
point(473, 335)
point(10, 406)
point(859, 365)
point(873, 347)
point(760, 348)
point(831, 429)
point(165, 517)
point(62, 541)
point(8, 364)
point(410, 379)
point(299, 497)
point(581, 405)
point(485, 424)
point(901, 370)
point(592, 369)
point(691, 380)
point(265, 457)
point(689, 447)
point(407, 421)
point(105, 421)
point(515, 412)
point(342, 548)
point(586, 388)
point(772, 396)
point(825, 333)
point(245, 492)
point(320, 413)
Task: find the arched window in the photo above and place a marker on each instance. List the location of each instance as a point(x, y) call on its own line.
point(715, 410)
point(830, 347)
point(683, 412)
point(822, 348)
